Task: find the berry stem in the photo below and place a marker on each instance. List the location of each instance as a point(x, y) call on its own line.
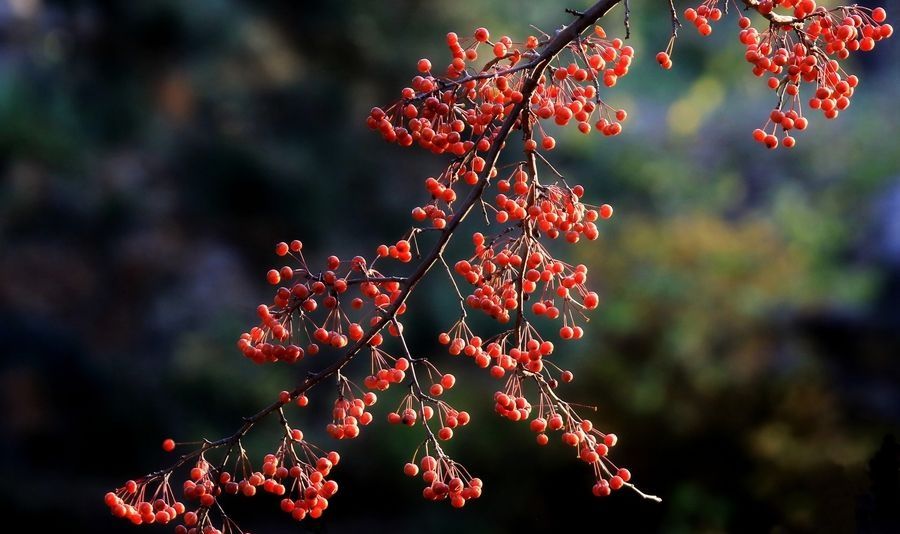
point(527, 229)
point(421, 397)
point(675, 22)
point(627, 20)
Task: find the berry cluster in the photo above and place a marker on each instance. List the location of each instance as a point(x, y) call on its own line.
point(592, 446)
point(400, 251)
point(496, 271)
point(201, 487)
point(350, 413)
point(309, 487)
point(703, 15)
point(383, 373)
point(448, 417)
point(557, 210)
point(807, 47)
point(802, 43)
point(512, 405)
point(138, 504)
point(290, 327)
point(299, 477)
point(460, 110)
point(445, 480)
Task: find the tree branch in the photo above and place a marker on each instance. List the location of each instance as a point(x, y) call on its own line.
point(553, 47)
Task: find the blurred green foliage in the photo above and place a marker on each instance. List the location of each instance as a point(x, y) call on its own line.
point(153, 151)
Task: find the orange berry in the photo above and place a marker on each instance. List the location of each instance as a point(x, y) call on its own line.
point(410, 469)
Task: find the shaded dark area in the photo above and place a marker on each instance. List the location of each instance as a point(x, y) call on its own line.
point(151, 153)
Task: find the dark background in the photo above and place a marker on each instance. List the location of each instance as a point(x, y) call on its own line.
point(151, 153)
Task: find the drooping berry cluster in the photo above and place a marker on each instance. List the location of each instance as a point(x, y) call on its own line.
point(703, 15)
point(349, 412)
point(296, 471)
point(807, 47)
point(445, 480)
point(496, 271)
point(802, 43)
point(461, 109)
point(554, 209)
point(556, 415)
point(448, 416)
point(308, 489)
point(145, 502)
point(313, 310)
point(418, 405)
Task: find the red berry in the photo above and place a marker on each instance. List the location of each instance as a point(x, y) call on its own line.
point(616, 482)
point(448, 381)
point(411, 469)
point(601, 489)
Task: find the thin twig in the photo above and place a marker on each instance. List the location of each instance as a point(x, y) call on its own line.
point(627, 19)
point(462, 301)
point(674, 16)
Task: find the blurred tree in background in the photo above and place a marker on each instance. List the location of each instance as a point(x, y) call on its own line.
point(152, 152)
